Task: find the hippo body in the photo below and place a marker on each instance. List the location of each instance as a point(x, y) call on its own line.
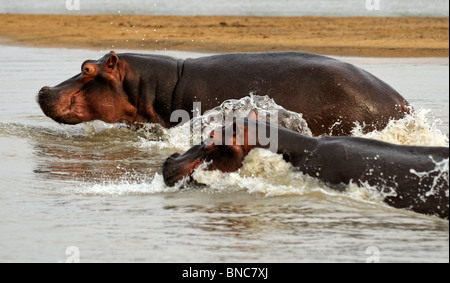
point(326, 91)
point(409, 177)
point(133, 88)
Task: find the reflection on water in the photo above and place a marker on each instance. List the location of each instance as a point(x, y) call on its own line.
point(93, 159)
point(304, 228)
point(99, 188)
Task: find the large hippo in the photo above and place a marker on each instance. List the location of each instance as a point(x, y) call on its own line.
point(409, 176)
point(136, 89)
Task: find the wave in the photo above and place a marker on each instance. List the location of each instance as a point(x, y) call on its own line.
point(124, 187)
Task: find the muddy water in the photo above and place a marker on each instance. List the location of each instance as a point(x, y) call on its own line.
point(98, 187)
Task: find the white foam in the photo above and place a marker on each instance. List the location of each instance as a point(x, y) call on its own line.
point(184, 136)
point(124, 187)
point(267, 173)
point(439, 173)
point(414, 129)
point(263, 172)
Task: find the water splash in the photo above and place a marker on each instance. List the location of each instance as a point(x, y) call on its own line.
point(267, 173)
point(184, 136)
point(439, 174)
point(414, 129)
point(124, 187)
point(264, 172)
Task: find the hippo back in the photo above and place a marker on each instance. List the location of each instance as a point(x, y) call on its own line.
point(325, 90)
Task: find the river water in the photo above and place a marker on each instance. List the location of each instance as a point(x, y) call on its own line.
point(334, 8)
point(97, 189)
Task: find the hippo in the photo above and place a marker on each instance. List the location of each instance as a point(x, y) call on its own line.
point(408, 176)
point(136, 89)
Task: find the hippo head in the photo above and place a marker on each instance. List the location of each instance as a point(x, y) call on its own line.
point(96, 93)
point(224, 150)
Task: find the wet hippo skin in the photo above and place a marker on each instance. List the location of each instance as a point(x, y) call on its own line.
point(135, 89)
point(408, 176)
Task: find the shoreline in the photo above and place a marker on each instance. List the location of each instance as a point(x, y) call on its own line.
point(348, 36)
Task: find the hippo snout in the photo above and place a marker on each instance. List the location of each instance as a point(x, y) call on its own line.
point(175, 155)
point(180, 166)
point(47, 100)
point(44, 95)
point(44, 90)
point(171, 172)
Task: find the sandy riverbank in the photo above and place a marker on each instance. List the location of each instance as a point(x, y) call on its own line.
point(352, 36)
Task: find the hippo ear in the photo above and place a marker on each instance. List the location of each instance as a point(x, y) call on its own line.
point(113, 60)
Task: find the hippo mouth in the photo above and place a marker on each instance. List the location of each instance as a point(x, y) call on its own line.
point(181, 172)
point(181, 167)
point(75, 110)
point(73, 100)
point(68, 109)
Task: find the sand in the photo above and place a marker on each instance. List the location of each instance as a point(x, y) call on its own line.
point(349, 36)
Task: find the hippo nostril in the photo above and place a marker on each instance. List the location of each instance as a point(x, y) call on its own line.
point(44, 90)
point(175, 155)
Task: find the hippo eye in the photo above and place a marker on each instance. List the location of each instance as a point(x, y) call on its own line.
point(88, 70)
